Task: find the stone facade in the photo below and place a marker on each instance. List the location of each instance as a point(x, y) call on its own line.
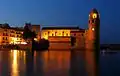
point(85, 38)
point(93, 31)
point(59, 42)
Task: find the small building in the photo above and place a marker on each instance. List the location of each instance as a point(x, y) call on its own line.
point(10, 35)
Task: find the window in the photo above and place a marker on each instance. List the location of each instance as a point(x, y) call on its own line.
point(3, 38)
point(55, 33)
point(17, 35)
point(66, 34)
point(48, 33)
point(63, 33)
point(52, 34)
point(6, 38)
point(45, 34)
point(93, 21)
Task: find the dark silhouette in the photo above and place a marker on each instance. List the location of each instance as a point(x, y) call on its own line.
point(41, 45)
point(29, 36)
point(29, 63)
point(73, 41)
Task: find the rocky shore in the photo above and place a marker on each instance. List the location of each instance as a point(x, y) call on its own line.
point(110, 46)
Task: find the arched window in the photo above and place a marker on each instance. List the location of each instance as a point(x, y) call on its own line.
point(45, 33)
point(67, 34)
point(63, 33)
point(55, 33)
point(93, 21)
point(52, 34)
point(48, 33)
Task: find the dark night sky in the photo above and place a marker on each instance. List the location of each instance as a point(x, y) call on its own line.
point(64, 12)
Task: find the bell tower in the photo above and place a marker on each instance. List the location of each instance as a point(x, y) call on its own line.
point(94, 29)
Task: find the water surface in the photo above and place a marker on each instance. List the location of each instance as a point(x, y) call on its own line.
point(57, 63)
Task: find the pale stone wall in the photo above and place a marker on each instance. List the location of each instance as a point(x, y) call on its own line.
point(62, 32)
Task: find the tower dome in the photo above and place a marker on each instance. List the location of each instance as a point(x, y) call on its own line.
point(94, 11)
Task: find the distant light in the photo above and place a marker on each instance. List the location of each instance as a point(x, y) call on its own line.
point(23, 43)
point(35, 39)
point(94, 15)
point(93, 29)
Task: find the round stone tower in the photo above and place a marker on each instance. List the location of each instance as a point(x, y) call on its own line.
point(94, 30)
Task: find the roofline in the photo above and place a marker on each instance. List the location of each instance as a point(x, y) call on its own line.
point(45, 28)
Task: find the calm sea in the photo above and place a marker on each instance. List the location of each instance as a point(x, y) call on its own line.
point(57, 63)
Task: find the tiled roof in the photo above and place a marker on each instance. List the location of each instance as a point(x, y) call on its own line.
point(83, 31)
point(17, 28)
point(46, 28)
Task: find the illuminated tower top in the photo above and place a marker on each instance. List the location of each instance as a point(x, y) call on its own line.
point(94, 19)
point(94, 14)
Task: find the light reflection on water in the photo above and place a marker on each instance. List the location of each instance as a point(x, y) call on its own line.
point(14, 59)
point(47, 63)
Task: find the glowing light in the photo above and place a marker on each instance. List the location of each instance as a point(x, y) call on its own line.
point(94, 15)
point(35, 39)
point(93, 29)
point(15, 39)
point(45, 37)
point(89, 15)
point(23, 43)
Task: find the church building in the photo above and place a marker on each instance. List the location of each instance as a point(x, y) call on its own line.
point(60, 37)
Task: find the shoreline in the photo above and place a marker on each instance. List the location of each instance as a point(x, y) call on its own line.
point(102, 47)
point(110, 46)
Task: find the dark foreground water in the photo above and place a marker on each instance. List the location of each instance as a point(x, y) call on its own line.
point(57, 63)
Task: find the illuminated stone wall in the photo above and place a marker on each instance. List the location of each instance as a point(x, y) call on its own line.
point(10, 36)
point(62, 32)
point(1, 35)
